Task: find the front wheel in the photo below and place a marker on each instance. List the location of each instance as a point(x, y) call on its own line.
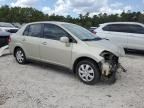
point(20, 56)
point(88, 72)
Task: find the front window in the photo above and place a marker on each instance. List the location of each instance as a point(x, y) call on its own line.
point(136, 29)
point(54, 32)
point(125, 28)
point(80, 32)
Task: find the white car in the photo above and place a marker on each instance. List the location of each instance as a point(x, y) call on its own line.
point(129, 35)
point(7, 27)
point(91, 29)
point(68, 45)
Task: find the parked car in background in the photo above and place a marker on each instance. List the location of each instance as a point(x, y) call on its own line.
point(4, 38)
point(129, 35)
point(17, 25)
point(67, 45)
point(8, 27)
point(92, 29)
point(23, 24)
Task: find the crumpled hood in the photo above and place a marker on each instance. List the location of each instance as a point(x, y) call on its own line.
point(106, 45)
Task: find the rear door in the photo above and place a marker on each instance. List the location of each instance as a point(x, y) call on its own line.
point(31, 40)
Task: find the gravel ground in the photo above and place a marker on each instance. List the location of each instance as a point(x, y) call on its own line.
point(41, 86)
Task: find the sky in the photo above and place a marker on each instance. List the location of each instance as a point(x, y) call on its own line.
point(75, 7)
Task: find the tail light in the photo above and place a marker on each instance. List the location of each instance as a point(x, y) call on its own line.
point(93, 32)
point(9, 39)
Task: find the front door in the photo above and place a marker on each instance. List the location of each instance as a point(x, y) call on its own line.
point(52, 49)
point(116, 34)
point(136, 37)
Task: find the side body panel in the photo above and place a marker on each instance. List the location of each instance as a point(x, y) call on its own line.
point(56, 52)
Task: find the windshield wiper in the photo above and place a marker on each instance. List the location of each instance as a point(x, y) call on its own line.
point(94, 39)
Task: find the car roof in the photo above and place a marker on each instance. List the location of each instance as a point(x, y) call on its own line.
point(120, 23)
point(51, 22)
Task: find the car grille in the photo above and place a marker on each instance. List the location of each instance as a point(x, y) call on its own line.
point(12, 30)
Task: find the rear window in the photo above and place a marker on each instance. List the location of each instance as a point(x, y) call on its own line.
point(34, 30)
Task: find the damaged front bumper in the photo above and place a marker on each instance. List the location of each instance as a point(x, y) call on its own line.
point(109, 69)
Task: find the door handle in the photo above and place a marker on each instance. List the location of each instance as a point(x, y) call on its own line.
point(44, 43)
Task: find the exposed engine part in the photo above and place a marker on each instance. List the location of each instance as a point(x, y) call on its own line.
point(110, 64)
point(106, 69)
point(122, 68)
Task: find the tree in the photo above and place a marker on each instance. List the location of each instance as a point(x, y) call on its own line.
point(25, 15)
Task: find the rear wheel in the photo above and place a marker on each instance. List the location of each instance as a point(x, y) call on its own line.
point(20, 56)
point(88, 72)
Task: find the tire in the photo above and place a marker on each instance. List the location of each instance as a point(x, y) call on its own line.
point(88, 72)
point(112, 79)
point(20, 56)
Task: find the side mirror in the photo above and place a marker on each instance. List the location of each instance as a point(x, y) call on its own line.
point(64, 39)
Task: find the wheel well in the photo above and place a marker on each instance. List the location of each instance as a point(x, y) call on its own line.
point(16, 49)
point(80, 59)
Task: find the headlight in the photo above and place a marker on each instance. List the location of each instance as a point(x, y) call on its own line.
point(109, 57)
point(105, 54)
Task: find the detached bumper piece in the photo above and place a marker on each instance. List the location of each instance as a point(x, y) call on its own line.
point(2, 50)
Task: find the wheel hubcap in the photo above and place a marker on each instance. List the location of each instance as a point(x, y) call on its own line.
point(86, 72)
point(20, 56)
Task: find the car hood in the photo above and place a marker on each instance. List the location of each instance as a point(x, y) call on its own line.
point(106, 45)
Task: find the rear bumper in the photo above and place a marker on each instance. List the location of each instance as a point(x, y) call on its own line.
point(3, 41)
point(2, 49)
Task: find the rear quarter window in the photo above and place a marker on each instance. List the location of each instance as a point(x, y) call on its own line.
point(34, 30)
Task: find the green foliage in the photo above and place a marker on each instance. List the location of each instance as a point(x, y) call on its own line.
point(25, 15)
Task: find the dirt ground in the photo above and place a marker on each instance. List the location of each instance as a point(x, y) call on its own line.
point(41, 86)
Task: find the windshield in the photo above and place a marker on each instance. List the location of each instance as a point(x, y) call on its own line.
point(5, 24)
point(80, 32)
